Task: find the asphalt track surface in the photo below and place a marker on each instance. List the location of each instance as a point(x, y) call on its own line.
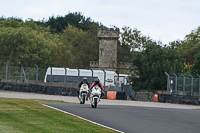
point(135, 119)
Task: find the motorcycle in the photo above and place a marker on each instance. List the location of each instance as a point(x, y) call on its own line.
point(83, 92)
point(95, 96)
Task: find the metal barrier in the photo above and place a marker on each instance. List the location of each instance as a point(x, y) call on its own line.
point(185, 86)
point(36, 75)
point(34, 79)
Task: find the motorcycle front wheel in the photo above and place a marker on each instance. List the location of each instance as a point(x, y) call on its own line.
point(83, 99)
point(95, 102)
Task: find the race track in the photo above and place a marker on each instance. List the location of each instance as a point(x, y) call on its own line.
point(135, 119)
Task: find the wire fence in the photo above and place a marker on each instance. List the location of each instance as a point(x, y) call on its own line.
point(182, 85)
point(36, 75)
point(17, 74)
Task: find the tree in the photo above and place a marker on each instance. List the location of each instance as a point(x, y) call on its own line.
point(81, 44)
point(31, 44)
point(134, 39)
point(11, 22)
point(131, 40)
point(24, 42)
point(123, 53)
point(190, 46)
point(151, 65)
point(59, 23)
point(195, 68)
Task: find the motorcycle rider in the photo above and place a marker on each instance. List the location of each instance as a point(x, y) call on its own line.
point(97, 82)
point(84, 81)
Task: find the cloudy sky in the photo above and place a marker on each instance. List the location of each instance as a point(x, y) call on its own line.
point(162, 20)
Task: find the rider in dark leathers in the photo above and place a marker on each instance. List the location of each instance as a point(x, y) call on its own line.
point(84, 81)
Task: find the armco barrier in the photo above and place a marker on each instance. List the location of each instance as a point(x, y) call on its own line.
point(116, 95)
point(121, 95)
point(168, 98)
point(38, 89)
point(34, 88)
point(155, 97)
point(111, 95)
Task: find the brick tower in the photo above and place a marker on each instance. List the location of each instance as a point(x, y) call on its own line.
point(107, 49)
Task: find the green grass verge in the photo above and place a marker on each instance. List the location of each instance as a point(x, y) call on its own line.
point(29, 116)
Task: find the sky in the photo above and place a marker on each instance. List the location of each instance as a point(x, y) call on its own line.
point(162, 20)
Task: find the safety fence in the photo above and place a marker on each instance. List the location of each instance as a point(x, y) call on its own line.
point(182, 89)
point(36, 75)
point(32, 79)
point(37, 80)
point(184, 85)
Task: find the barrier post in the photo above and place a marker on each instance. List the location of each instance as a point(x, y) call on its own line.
point(6, 71)
point(21, 70)
point(78, 75)
point(168, 82)
point(183, 84)
point(51, 76)
point(191, 85)
point(117, 72)
point(36, 73)
point(104, 78)
point(92, 74)
point(175, 83)
point(199, 83)
point(65, 77)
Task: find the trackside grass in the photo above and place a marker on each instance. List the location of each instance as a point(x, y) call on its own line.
point(29, 116)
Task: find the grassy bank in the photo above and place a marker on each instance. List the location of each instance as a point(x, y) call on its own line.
point(28, 116)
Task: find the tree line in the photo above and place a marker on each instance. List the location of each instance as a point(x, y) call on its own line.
point(152, 59)
point(71, 41)
point(56, 42)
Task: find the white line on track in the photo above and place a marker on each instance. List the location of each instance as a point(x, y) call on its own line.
point(82, 118)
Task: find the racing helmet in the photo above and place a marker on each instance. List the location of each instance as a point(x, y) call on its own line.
point(97, 81)
point(84, 80)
